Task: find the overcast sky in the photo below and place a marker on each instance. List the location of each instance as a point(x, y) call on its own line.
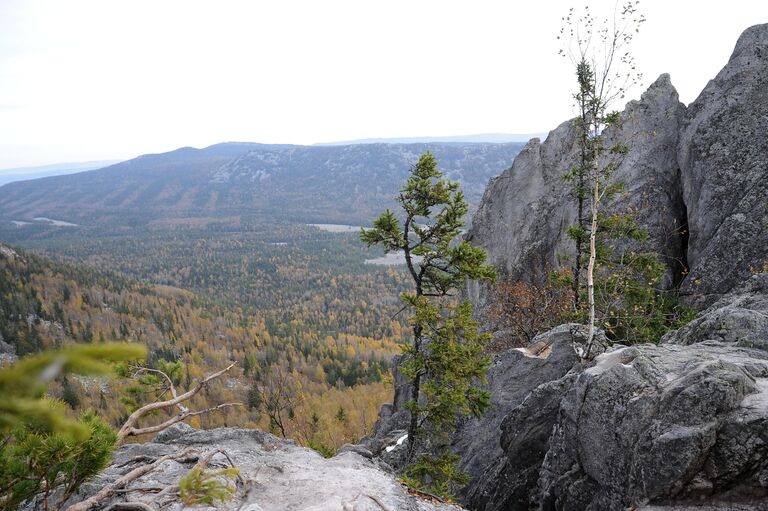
point(92, 80)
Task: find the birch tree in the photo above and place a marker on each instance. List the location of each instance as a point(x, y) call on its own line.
point(605, 69)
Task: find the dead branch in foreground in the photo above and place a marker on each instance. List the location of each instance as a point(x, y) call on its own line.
point(130, 428)
point(109, 490)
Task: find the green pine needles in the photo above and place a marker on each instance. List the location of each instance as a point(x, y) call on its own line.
point(37, 460)
point(41, 450)
point(201, 486)
point(444, 361)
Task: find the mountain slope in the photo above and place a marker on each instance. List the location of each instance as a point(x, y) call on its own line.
point(235, 182)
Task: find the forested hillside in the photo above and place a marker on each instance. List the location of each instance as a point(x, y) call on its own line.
point(331, 379)
point(205, 256)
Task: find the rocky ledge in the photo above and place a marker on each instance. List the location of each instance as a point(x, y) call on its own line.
point(275, 475)
point(679, 425)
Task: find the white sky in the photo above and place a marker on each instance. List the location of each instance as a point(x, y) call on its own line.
point(102, 79)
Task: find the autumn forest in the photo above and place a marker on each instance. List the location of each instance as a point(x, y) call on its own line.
point(311, 327)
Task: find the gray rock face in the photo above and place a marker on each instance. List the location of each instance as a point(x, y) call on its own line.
point(277, 474)
point(674, 426)
point(696, 180)
point(723, 155)
point(514, 375)
point(661, 424)
point(739, 317)
point(650, 174)
point(526, 211)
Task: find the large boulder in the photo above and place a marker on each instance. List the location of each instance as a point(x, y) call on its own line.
point(661, 425)
point(502, 468)
point(739, 317)
point(723, 156)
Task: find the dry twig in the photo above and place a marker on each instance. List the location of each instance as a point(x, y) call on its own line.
point(131, 476)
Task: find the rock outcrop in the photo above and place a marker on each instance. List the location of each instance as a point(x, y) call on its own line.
point(723, 156)
point(696, 179)
point(525, 213)
point(667, 425)
point(649, 426)
point(275, 475)
point(507, 470)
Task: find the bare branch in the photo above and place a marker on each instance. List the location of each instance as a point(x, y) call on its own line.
point(129, 428)
point(123, 481)
point(167, 378)
point(380, 503)
point(176, 419)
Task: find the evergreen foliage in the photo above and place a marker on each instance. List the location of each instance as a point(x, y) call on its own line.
point(444, 360)
point(36, 460)
point(23, 384)
point(43, 449)
point(207, 487)
point(436, 474)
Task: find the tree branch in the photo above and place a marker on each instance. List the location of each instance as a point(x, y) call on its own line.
point(167, 378)
point(129, 428)
point(123, 481)
point(176, 419)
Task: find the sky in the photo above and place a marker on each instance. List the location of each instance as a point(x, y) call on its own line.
point(102, 79)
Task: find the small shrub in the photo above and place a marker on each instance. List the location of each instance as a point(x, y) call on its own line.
point(525, 310)
point(437, 474)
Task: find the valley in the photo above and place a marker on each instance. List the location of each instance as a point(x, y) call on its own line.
point(292, 297)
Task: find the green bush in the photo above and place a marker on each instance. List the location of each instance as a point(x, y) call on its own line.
point(36, 459)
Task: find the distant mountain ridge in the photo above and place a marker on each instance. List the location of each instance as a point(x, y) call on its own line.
point(36, 172)
point(480, 138)
point(236, 183)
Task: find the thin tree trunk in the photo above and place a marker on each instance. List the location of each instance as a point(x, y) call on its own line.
point(591, 266)
point(580, 220)
point(415, 391)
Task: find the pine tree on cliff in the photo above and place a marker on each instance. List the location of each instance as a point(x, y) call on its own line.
point(444, 361)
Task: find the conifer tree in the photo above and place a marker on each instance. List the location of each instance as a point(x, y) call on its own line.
point(444, 361)
point(624, 291)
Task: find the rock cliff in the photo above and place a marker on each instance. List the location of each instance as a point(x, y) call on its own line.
point(697, 176)
point(663, 426)
point(723, 158)
point(678, 425)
